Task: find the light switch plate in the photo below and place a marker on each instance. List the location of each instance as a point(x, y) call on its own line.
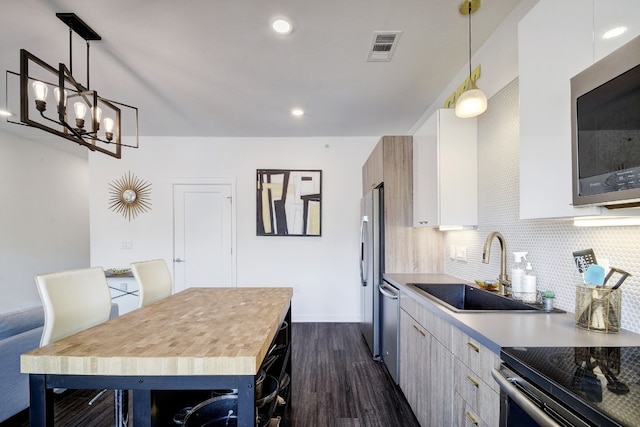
point(461, 253)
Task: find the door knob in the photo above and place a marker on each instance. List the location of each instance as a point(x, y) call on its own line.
point(179, 260)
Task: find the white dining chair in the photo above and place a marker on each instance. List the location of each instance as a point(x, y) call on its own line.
point(75, 300)
point(154, 280)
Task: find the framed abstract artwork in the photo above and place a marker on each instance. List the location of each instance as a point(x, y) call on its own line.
point(289, 202)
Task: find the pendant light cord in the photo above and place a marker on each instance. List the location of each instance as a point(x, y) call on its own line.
point(469, 1)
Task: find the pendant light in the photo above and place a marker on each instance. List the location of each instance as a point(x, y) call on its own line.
point(472, 102)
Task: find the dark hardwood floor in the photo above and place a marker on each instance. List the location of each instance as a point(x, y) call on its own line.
point(335, 383)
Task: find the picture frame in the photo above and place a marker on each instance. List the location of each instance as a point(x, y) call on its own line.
point(289, 202)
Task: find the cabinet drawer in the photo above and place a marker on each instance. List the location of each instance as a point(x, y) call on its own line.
point(476, 356)
point(439, 328)
point(479, 397)
point(465, 416)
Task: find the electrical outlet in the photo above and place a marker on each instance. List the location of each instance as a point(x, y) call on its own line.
point(452, 252)
point(461, 253)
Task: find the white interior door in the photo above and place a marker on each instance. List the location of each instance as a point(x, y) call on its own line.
point(203, 236)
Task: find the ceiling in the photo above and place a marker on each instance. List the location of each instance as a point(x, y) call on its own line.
point(215, 67)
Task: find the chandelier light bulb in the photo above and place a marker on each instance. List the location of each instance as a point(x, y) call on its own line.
point(108, 124)
point(97, 116)
point(108, 128)
point(40, 92)
point(40, 89)
point(80, 109)
point(56, 92)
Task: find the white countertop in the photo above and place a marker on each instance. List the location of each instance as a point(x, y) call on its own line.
point(496, 330)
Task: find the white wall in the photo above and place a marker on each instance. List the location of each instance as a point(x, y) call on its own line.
point(323, 270)
point(44, 218)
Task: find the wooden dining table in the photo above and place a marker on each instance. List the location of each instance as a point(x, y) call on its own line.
point(197, 339)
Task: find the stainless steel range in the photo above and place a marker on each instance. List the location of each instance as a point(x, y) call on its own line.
point(581, 386)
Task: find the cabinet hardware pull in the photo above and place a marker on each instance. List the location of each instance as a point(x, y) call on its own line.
point(472, 418)
point(419, 330)
point(473, 381)
point(474, 347)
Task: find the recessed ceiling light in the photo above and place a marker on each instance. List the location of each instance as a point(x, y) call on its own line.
point(281, 26)
point(297, 112)
point(614, 32)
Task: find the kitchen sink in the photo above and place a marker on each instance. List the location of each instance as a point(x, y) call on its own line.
point(461, 297)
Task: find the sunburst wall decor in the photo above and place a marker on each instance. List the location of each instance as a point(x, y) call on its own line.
point(130, 196)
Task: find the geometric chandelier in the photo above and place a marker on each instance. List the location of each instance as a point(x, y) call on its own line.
point(96, 122)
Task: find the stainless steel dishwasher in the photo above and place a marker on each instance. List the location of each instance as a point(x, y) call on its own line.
point(390, 324)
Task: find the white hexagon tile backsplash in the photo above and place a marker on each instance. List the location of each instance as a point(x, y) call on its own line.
point(550, 243)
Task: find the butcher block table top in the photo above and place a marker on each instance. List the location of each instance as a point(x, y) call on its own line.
point(199, 331)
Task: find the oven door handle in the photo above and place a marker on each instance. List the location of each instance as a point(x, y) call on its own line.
point(523, 401)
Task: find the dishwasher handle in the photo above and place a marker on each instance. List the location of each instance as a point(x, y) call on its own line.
point(523, 401)
point(388, 291)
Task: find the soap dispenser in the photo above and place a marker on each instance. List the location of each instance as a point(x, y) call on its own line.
point(529, 287)
point(517, 272)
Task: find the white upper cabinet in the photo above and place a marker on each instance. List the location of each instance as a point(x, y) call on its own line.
point(555, 43)
point(610, 15)
point(445, 171)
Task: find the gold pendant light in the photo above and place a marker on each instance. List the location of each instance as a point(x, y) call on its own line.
point(472, 102)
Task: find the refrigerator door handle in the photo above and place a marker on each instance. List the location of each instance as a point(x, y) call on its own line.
point(363, 260)
point(385, 291)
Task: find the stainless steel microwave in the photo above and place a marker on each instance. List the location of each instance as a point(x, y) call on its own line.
point(605, 130)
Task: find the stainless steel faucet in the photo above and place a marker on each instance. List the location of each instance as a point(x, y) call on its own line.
point(486, 254)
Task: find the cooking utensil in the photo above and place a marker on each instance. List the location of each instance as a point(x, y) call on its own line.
point(584, 259)
point(594, 275)
point(622, 278)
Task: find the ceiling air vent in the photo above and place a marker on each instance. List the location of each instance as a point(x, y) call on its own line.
point(383, 45)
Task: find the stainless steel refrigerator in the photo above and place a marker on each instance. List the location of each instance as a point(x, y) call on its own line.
point(371, 241)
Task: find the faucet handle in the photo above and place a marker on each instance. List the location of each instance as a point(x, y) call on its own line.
point(505, 285)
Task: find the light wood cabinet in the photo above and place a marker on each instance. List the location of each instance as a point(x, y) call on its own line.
point(465, 416)
point(373, 171)
point(440, 386)
point(426, 363)
point(472, 381)
point(414, 344)
point(476, 356)
point(425, 373)
point(479, 397)
point(444, 373)
point(445, 171)
point(406, 250)
point(552, 50)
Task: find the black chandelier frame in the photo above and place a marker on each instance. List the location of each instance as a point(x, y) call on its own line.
point(32, 111)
